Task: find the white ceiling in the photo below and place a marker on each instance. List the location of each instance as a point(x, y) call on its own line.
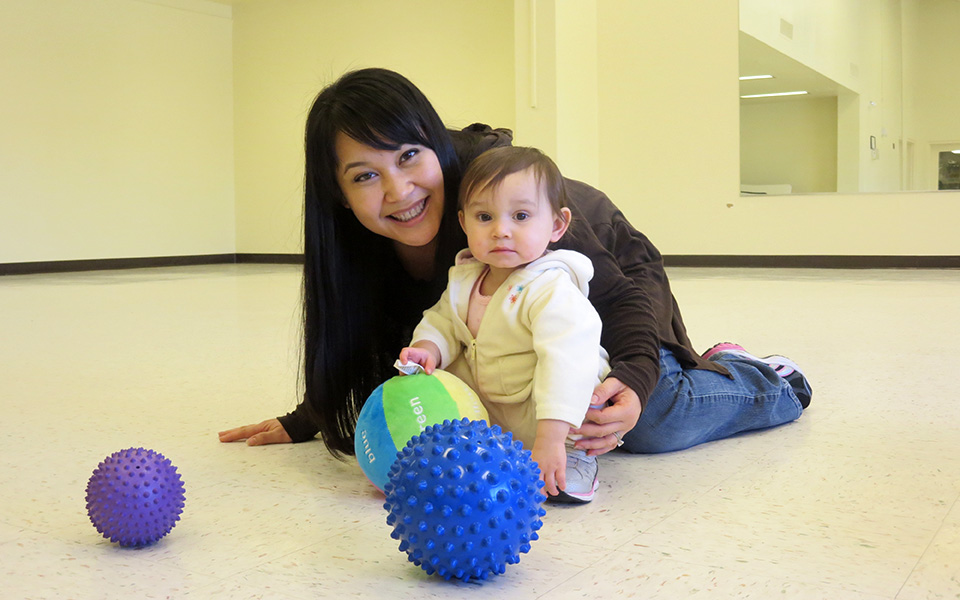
point(756, 58)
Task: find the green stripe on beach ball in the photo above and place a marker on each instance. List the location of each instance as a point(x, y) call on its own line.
point(412, 402)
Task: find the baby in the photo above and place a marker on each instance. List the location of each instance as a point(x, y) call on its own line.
point(518, 315)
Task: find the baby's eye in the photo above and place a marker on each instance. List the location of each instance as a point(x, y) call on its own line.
point(522, 216)
point(484, 217)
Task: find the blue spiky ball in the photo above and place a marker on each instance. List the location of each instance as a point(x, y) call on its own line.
point(135, 497)
point(464, 500)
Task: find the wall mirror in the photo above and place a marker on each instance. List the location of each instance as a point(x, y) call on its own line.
point(849, 96)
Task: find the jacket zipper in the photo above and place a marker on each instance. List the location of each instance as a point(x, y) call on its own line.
point(476, 370)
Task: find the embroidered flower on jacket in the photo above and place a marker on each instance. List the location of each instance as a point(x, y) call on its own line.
point(514, 296)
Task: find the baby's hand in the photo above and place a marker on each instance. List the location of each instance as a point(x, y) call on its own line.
point(421, 356)
point(552, 459)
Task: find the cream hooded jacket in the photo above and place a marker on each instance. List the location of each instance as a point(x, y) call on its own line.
point(537, 353)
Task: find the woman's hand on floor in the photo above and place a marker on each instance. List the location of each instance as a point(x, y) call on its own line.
point(620, 416)
point(261, 434)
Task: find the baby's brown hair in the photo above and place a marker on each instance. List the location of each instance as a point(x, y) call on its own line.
point(490, 168)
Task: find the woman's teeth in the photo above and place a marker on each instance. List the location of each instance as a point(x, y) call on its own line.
point(413, 213)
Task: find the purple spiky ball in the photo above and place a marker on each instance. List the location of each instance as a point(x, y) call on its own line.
point(135, 497)
point(464, 500)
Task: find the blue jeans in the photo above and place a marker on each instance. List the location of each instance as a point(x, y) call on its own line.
point(693, 406)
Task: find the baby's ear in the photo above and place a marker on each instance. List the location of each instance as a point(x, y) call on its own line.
point(460, 218)
point(560, 224)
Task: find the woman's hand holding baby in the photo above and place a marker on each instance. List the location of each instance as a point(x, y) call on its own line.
point(601, 427)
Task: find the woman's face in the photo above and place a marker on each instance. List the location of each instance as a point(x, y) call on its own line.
point(394, 193)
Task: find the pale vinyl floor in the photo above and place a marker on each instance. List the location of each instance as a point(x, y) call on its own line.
point(858, 499)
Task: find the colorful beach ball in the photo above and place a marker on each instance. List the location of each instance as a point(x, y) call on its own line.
point(403, 407)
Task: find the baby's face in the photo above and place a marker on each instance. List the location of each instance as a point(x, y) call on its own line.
point(512, 224)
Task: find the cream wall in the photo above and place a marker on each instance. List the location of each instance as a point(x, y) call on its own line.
point(790, 141)
point(119, 133)
point(828, 35)
point(459, 52)
point(669, 130)
point(556, 90)
point(116, 129)
point(932, 104)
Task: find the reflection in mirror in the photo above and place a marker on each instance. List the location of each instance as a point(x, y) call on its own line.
point(848, 96)
point(949, 170)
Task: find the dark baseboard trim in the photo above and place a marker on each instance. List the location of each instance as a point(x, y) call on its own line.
point(673, 260)
point(271, 259)
point(812, 261)
point(106, 264)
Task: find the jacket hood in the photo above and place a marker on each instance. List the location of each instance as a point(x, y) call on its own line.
point(470, 142)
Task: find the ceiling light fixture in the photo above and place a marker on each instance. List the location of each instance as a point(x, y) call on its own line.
point(775, 94)
point(746, 77)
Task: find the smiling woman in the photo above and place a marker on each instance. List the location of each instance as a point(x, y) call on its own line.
point(396, 193)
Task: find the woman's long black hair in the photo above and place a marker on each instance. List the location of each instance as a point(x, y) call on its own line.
point(349, 337)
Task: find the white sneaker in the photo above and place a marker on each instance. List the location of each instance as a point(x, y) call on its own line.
point(582, 482)
point(784, 367)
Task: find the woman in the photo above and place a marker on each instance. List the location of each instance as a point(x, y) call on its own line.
point(381, 231)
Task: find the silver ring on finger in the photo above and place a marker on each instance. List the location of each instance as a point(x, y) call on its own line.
point(619, 438)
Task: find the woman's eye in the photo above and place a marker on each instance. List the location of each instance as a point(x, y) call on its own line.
point(408, 154)
point(362, 177)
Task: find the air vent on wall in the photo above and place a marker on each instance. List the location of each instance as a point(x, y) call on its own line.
point(786, 28)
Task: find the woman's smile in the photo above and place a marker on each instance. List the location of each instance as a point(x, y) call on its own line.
point(409, 214)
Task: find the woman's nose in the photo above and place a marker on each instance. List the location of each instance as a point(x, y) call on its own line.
point(396, 188)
